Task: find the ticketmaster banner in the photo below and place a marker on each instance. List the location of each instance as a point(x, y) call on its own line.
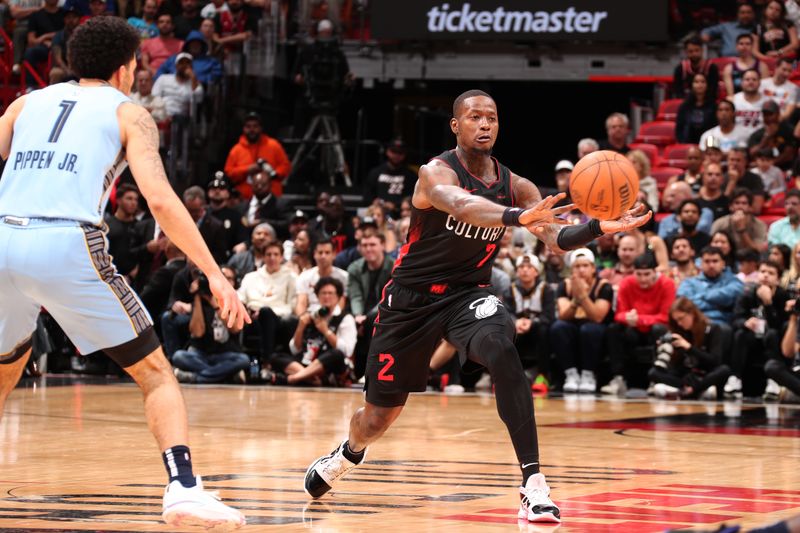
point(534, 20)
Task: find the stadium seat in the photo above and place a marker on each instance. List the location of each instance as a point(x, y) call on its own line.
point(668, 110)
point(663, 174)
point(658, 132)
point(769, 219)
point(651, 150)
point(675, 155)
point(661, 216)
point(774, 206)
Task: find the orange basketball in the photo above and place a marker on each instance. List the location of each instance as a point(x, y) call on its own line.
point(604, 185)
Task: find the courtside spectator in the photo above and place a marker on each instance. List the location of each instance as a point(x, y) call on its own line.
point(747, 260)
point(256, 152)
point(331, 223)
point(121, 230)
point(728, 133)
point(746, 230)
point(306, 281)
point(219, 195)
point(643, 302)
point(715, 290)
point(682, 258)
point(617, 130)
point(628, 249)
point(786, 370)
point(392, 180)
point(180, 90)
point(265, 206)
point(212, 230)
point(723, 241)
point(206, 68)
point(155, 294)
point(144, 96)
point(697, 112)
point(249, 260)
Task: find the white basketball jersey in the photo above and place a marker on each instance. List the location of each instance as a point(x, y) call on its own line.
point(65, 154)
point(748, 115)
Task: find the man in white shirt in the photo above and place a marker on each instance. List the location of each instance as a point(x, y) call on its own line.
point(728, 133)
point(748, 102)
point(144, 96)
point(780, 89)
point(179, 90)
point(323, 256)
point(269, 295)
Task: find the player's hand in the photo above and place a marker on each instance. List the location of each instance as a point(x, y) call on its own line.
point(231, 308)
point(629, 220)
point(544, 212)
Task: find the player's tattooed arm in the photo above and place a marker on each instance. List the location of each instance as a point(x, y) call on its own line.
point(438, 187)
point(526, 194)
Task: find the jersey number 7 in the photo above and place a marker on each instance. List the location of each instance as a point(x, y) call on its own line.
point(66, 109)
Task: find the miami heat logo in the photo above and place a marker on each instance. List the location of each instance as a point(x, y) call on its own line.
point(485, 307)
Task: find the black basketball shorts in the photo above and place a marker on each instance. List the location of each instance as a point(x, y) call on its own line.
point(411, 324)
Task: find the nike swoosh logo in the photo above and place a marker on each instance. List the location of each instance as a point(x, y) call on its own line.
point(470, 190)
point(526, 465)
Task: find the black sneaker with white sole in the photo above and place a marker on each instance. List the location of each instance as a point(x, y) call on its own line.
point(323, 473)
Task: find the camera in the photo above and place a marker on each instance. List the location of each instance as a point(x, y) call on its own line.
point(203, 287)
point(266, 168)
point(664, 351)
point(322, 312)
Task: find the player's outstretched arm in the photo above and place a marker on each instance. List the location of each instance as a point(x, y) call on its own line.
point(438, 187)
point(7, 125)
point(140, 139)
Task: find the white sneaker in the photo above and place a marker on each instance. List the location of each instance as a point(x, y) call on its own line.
point(733, 387)
point(454, 388)
point(326, 471)
point(710, 394)
point(571, 380)
point(484, 383)
point(587, 384)
point(535, 504)
point(196, 507)
point(662, 390)
point(772, 392)
point(615, 387)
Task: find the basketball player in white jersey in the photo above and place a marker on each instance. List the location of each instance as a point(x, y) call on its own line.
point(64, 146)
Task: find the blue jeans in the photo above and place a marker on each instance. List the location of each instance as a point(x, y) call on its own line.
point(175, 332)
point(577, 344)
point(210, 368)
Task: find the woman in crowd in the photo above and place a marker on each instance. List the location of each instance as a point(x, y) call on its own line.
point(302, 255)
point(384, 224)
point(775, 36)
point(584, 311)
point(782, 256)
point(697, 113)
point(723, 241)
point(647, 183)
point(689, 359)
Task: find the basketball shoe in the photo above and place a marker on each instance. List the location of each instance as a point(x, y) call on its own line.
point(327, 470)
point(535, 504)
point(196, 507)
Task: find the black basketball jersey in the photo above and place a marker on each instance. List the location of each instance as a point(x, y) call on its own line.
point(443, 252)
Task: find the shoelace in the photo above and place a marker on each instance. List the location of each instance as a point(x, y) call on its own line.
point(535, 494)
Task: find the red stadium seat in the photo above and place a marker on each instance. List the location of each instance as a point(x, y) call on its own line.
point(721, 63)
point(774, 206)
point(651, 150)
point(675, 155)
point(668, 110)
point(661, 216)
point(769, 219)
point(663, 174)
point(658, 132)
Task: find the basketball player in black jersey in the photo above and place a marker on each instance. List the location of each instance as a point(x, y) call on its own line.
point(462, 203)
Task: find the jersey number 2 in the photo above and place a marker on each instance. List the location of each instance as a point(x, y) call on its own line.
point(383, 374)
point(490, 248)
point(66, 109)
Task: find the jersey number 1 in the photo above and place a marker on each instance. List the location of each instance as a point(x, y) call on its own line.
point(66, 109)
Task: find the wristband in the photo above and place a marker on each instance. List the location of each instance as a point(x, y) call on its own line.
point(511, 216)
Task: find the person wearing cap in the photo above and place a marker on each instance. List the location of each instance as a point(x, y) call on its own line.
point(642, 314)
point(144, 96)
point(256, 152)
point(727, 133)
point(774, 135)
point(181, 89)
point(532, 303)
point(748, 102)
point(206, 68)
point(219, 194)
point(298, 221)
point(392, 180)
point(583, 309)
point(563, 171)
point(156, 50)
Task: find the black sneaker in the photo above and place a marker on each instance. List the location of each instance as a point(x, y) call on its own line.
point(327, 470)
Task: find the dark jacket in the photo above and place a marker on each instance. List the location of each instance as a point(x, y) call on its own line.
point(747, 304)
point(358, 284)
point(207, 69)
point(213, 233)
point(155, 295)
point(692, 120)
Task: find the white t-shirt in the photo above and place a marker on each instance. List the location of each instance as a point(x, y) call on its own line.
point(748, 115)
point(773, 178)
point(307, 279)
point(736, 137)
point(783, 95)
point(177, 95)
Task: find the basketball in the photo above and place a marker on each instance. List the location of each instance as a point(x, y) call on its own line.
point(604, 185)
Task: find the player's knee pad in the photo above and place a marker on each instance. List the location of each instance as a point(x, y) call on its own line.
point(497, 352)
point(18, 351)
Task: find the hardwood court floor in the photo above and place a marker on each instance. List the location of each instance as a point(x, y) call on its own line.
point(80, 457)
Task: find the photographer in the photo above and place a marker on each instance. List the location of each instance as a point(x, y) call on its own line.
point(785, 371)
point(758, 319)
point(213, 355)
point(256, 152)
point(689, 358)
point(323, 343)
